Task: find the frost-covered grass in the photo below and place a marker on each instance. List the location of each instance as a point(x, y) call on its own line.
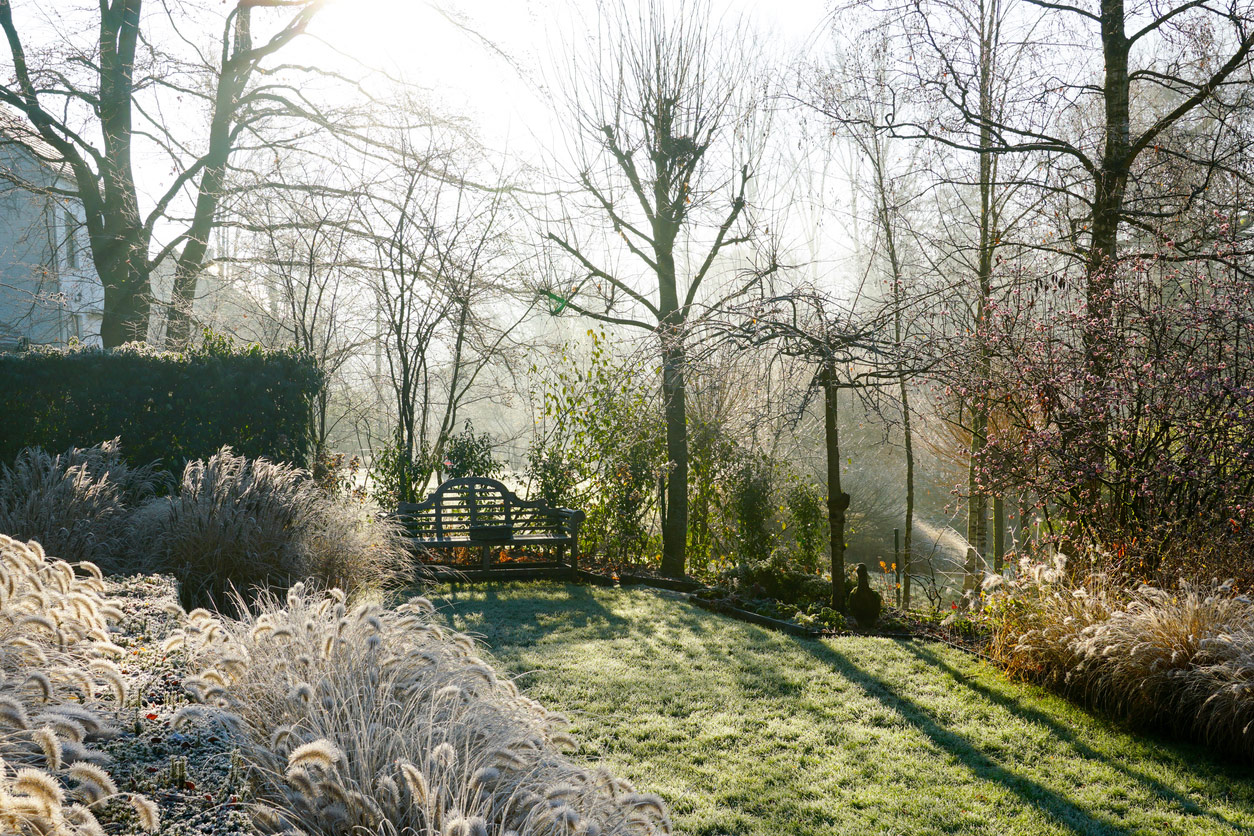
point(745, 731)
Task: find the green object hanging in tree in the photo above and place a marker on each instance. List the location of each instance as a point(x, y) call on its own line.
point(557, 304)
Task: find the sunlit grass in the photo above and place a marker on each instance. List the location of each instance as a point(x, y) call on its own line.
point(745, 731)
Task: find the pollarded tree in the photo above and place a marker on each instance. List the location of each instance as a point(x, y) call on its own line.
point(664, 119)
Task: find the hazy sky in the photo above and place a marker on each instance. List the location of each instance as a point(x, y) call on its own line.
point(410, 39)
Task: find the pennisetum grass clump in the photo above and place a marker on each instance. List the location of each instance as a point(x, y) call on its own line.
point(382, 722)
point(240, 524)
point(77, 503)
point(58, 681)
point(1181, 661)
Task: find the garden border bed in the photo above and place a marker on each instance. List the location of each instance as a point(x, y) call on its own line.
point(673, 584)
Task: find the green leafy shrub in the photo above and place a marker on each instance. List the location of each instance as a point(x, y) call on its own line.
point(599, 448)
point(807, 508)
point(396, 476)
point(164, 407)
point(78, 503)
point(468, 454)
point(553, 477)
point(753, 495)
point(250, 524)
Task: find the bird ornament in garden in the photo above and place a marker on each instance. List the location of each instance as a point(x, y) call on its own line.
point(864, 603)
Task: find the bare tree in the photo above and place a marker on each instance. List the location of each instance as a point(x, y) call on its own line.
point(304, 254)
point(1131, 118)
point(442, 260)
point(848, 351)
point(662, 116)
point(99, 102)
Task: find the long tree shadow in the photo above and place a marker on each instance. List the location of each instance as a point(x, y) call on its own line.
point(1061, 809)
point(534, 616)
point(1068, 735)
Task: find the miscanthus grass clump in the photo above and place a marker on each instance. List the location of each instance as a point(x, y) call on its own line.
point(58, 684)
point(1181, 661)
point(366, 721)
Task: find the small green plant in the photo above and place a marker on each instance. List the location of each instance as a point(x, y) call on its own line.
point(397, 475)
point(753, 494)
point(468, 454)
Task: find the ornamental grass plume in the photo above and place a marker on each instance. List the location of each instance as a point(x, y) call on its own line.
point(358, 719)
point(251, 524)
point(58, 682)
point(1181, 661)
point(76, 504)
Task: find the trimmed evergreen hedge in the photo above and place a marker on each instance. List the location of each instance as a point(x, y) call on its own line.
point(166, 407)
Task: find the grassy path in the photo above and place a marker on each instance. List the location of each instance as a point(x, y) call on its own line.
point(750, 733)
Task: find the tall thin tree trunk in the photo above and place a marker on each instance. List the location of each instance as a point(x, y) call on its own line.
point(191, 261)
point(675, 523)
point(999, 533)
point(837, 500)
point(977, 501)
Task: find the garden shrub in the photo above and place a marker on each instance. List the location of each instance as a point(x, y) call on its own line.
point(807, 508)
point(467, 454)
point(164, 407)
point(438, 743)
point(1181, 661)
point(776, 579)
point(599, 448)
point(250, 524)
point(753, 495)
point(78, 502)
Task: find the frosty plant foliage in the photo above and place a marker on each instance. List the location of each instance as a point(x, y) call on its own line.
point(58, 684)
point(382, 722)
point(1182, 660)
point(239, 523)
point(77, 502)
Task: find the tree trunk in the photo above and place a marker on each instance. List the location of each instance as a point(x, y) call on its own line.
point(908, 546)
point(999, 534)
point(126, 292)
point(675, 523)
point(837, 500)
point(977, 503)
point(126, 309)
point(231, 82)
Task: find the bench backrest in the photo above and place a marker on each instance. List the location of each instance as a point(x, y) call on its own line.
point(461, 508)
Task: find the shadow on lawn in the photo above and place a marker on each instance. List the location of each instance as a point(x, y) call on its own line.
point(1193, 758)
point(758, 669)
point(1062, 809)
point(580, 611)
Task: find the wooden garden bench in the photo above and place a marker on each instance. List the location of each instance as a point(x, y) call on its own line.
point(474, 512)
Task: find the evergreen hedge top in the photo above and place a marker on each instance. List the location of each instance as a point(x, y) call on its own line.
point(167, 407)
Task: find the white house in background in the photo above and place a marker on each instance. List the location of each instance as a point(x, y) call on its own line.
point(50, 293)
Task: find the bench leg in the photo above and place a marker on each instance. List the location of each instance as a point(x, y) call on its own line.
point(486, 555)
point(574, 558)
